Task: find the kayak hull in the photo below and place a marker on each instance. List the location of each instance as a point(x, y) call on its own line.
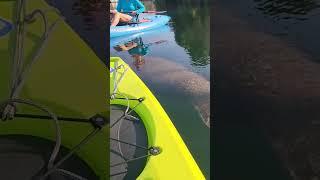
point(175, 161)
point(57, 81)
point(156, 22)
point(144, 35)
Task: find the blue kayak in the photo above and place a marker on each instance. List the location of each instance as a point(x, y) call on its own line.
point(144, 35)
point(5, 27)
point(155, 22)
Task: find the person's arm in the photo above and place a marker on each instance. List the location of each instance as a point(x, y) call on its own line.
point(140, 7)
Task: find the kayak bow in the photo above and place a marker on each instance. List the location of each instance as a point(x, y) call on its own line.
point(168, 156)
point(55, 100)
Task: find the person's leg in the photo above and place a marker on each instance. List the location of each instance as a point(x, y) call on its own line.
point(119, 17)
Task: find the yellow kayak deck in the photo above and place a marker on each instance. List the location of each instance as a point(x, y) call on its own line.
point(68, 78)
point(175, 161)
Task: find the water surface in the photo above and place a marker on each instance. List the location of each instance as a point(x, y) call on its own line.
point(267, 75)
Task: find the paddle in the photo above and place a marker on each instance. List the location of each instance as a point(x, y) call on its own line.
point(155, 12)
point(148, 12)
point(157, 42)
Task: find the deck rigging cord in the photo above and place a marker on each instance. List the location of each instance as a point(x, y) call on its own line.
point(152, 150)
point(20, 71)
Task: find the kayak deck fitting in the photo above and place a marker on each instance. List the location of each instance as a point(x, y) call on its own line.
point(45, 97)
point(166, 155)
point(156, 21)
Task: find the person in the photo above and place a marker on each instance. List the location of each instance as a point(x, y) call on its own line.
point(137, 49)
point(138, 61)
point(125, 11)
point(126, 46)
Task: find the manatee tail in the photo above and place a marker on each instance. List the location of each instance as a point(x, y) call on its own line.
point(204, 112)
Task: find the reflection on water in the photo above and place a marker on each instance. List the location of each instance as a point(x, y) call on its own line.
point(138, 45)
point(191, 22)
point(137, 49)
point(87, 18)
point(88, 10)
point(287, 9)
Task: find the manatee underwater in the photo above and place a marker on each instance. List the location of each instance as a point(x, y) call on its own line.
point(164, 71)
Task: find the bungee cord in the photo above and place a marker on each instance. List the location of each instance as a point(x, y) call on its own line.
point(56, 125)
point(151, 151)
point(20, 71)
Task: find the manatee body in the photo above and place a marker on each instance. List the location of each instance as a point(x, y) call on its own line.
point(164, 71)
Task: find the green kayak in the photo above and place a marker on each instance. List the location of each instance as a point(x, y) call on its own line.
point(53, 87)
point(166, 155)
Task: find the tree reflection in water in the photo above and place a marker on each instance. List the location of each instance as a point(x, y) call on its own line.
point(89, 10)
point(191, 22)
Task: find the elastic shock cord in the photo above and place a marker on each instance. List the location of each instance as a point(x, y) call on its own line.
point(17, 81)
point(151, 150)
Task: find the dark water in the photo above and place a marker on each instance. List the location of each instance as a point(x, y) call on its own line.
point(88, 19)
point(294, 21)
point(185, 44)
point(267, 89)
